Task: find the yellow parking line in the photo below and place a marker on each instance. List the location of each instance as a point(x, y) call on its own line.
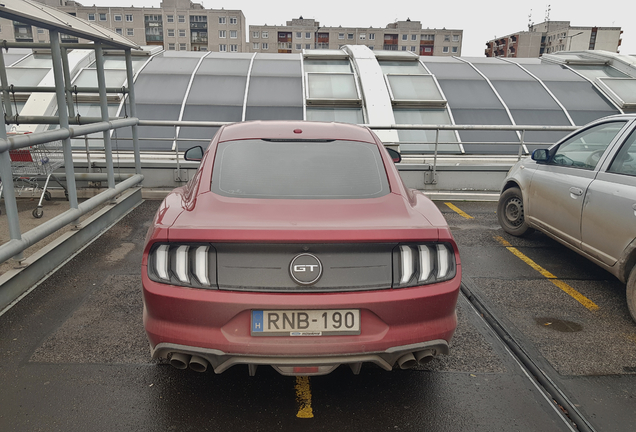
point(589, 304)
point(303, 397)
point(458, 210)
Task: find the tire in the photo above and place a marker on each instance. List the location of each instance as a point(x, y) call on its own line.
point(47, 196)
point(631, 293)
point(510, 213)
point(37, 213)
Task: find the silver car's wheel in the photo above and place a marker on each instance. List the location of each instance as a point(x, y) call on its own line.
point(631, 293)
point(510, 213)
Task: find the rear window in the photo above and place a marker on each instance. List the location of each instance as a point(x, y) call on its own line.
point(299, 170)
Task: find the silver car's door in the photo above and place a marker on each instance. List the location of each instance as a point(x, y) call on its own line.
point(608, 223)
point(557, 189)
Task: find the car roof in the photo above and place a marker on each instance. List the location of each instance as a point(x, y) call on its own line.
point(300, 130)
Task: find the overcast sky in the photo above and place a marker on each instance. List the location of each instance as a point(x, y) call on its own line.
point(480, 20)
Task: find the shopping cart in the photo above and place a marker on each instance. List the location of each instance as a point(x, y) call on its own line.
point(32, 165)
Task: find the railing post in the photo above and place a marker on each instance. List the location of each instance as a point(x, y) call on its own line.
point(133, 109)
point(521, 142)
point(10, 205)
point(103, 102)
point(67, 83)
point(60, 92)
point(435, 157)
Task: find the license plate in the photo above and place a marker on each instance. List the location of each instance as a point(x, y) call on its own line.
point(305, 322)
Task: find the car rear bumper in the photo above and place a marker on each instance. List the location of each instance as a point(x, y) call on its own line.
point(215, 325)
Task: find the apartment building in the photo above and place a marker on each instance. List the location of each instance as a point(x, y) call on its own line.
point(553, 36)
point(299, 34)
point(176, 25)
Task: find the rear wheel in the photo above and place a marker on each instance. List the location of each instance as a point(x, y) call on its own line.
point(631, 293)
point(510, 213)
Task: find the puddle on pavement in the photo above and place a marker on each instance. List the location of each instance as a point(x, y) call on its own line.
point(559, 325)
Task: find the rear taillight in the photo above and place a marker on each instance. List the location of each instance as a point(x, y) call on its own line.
point(183, 264)
point(420, 264)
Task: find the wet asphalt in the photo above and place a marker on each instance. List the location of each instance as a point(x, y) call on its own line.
point(73, 353)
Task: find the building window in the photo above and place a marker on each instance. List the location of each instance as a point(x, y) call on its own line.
point(340, 35)
point(40, 31)
point(91, 17)
point(307, 35)
point(170, 18)
point(413, 37)
point(182, 32)
point(445, 49)
point(102, 17)
point(455, 38)
point(170, 32)
point(299, 46)
point(221, 20)
point(371, 47)
point(371, 36)
point(307, 46)
point(129, 18)
point(233, 48)
point(222, 48)
point(265, 46)
point(403, 48)
point(182, 47)
point(130, 32)
point(299, 35)
point(233, 34)
point(405, 37)
point(264, 35)
point(446, 38)
point(171, 47)
point(363, 36)
point(255, 45)
point(117, 18)
point(428, 49)
point(233, 20)
point(222, 34)
point(350, 36)
point(454, 49)
point(413, 48)
point(429, 37)
point(255, 35)
point(181, 18)
point(119, 31)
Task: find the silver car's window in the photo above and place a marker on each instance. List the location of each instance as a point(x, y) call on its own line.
point(625, 160)
point(299, 170)
point(585, 149)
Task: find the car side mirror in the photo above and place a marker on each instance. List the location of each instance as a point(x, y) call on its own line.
point(540, 155)
point(194, 154)
point(396, 156)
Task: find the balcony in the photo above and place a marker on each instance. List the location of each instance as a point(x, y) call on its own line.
point(199, 39)
point(198, 25)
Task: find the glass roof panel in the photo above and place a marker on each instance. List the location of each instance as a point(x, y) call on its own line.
point(503, 71)
point(88, 78)
point(453, 71)
point(414, 88)
point(152, 89)
point(327, 66)
point(329, 114)
point(412, 141)
point(267, 66)
point(331, 86)
point(14, 54)
point(273, 113)
point(206, 113)
point(580, 96)
point(37, 61)
point(469, 94)
point(552, 72)
point(170, 66)
point(592, 72)
point(275, 91)
point(25, 77)
point(525, 95)
point(226, 66)
point(217, 90)
point(624, 89)
point(394, 67)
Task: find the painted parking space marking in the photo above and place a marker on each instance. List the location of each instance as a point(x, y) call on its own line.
point(458, 210)
point(589, 304)
point(303, 397)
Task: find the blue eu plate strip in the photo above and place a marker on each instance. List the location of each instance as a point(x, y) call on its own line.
point(257, 321)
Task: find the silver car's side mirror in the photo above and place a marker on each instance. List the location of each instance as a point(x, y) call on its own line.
point(540, 155)
point(194, 154)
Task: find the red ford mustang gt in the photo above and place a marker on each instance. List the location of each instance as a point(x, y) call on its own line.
point(296, 245)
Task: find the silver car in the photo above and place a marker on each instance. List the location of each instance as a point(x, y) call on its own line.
point(581, 192)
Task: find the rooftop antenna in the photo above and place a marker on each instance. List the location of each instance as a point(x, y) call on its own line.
point(530, 22)
point(547, 14)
